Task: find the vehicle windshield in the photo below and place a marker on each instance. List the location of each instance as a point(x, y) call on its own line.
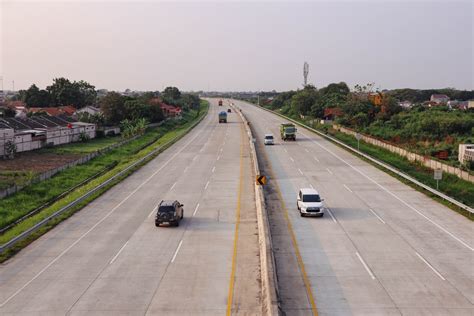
point(269, 137)
point(289, 129)
point(311, 198)
point(166, 209)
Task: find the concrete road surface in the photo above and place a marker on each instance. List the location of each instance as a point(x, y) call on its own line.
point(382, 248)
point(110, 259)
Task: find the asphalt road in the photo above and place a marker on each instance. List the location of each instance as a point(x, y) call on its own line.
point(382, 248)
point(110, 259)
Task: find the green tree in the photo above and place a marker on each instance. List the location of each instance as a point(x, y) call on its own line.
point(171, 95)
point(34, 97)
point(303, 100)
point(113, 107)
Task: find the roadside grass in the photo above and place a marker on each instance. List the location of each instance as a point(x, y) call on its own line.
point(451, 185)
point(18, 177)
point(90, 146)
point(36, 195)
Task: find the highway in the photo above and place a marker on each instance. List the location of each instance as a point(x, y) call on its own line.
point(110, 259)
point(382, 248)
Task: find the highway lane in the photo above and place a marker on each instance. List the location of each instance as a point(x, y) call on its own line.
point(382, 249)
point(109, 258)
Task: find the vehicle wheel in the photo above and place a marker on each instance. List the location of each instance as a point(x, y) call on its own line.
point(177, 224)
point(182, 215)
point(322, 214)
point(301, 214)
point(157, 224)
point(297, 206)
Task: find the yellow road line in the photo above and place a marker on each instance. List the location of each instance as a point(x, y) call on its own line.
point(306, 282)
point(236, 234)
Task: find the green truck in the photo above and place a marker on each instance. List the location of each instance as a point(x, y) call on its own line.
point(288, 131)
point(223, 117)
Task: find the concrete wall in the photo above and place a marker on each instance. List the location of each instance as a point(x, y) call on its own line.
point(427, 162)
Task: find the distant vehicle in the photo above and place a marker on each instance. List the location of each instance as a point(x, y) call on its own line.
point(220, 102)
point(169, 212)
point(288, 131)
point(268, 139)
point(223, 117)
point(309, 203)
point(229, 110)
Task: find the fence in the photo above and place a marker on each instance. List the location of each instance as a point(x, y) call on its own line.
point(425, 161)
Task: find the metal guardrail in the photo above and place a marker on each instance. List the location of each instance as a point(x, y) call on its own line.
point(64, 209)
point(378, 162)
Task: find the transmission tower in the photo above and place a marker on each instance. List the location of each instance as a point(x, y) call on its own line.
point(305, 73)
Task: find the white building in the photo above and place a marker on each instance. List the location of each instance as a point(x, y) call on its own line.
point(466, 153)
point(439, 98)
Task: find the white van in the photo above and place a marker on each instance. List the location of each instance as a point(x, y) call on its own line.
point(309, 203)
point(269, 139)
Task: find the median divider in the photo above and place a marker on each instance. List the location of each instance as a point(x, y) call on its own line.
point(98, 189)
point(378, 162)
point(269, 284)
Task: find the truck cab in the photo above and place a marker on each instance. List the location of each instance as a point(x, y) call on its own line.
point(288, 131)
point(223, 117)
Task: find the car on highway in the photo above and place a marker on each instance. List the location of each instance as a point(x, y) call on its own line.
point(169, 212)
point(268, 139)
point(309, 202)
point(229, 110)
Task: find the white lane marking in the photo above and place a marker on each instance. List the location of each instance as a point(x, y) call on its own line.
point(221, 149)
point(176, 252)
point(99, 222)
point(376, 215)
point(152, 211)
point(311, 186)
point(365, 266)
point(332, 216)
point(172, 187)
point(201, 150)
point(431, 267)
point(185, 169)
point(292, 159)
point(306, 150)
point(301, 172)
point(348, 189)
point(285, 149)
point(395, 196)
point(194, 158)
point(118, 253)
point(207, 184)
point(329, 170)
point(196, 209)
point(218, 157)
point(316, 159)
point(213, 169)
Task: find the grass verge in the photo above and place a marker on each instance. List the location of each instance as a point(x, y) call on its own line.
point(175, 129)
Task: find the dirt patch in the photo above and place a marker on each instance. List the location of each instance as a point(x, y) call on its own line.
point(36, 162)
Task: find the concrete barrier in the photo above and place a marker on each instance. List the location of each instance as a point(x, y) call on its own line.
point(267, 261)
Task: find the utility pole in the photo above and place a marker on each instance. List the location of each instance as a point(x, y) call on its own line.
point(13, 85)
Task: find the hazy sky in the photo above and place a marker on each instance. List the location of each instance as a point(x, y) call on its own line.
point(237, 45)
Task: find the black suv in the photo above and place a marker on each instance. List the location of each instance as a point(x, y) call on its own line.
point(169, 212)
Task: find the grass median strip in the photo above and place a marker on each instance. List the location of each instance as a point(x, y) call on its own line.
point(162, 143)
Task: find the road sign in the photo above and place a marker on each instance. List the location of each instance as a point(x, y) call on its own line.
point(438, 175)
point(358, 136)
point(261, 179)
